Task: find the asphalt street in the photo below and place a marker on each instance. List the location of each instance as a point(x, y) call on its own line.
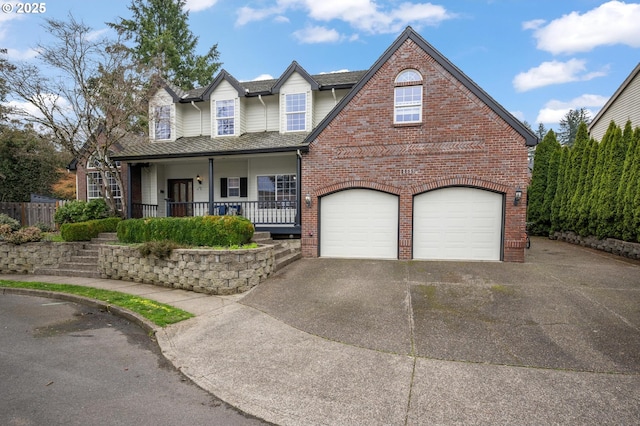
point(67, 364)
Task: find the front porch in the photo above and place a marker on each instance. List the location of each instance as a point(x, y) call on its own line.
point(263, 188)
point(276, 217)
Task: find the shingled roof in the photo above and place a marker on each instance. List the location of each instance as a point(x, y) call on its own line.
point(205, 146)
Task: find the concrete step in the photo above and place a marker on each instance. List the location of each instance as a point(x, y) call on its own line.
point(105, 238)
point(76, 266)
point(67, 273)
point(287, 259)
point(262, 237)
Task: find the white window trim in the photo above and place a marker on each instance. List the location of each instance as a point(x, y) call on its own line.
point(401, 83)
point(305, 112)
point(158, 119)
point(234, 187)
point(234, 117)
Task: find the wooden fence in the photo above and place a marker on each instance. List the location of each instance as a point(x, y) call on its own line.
point(31, 214)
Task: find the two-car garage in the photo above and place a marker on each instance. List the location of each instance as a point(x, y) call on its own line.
point(449, 223)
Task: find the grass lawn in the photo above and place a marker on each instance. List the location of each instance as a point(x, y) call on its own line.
point(158, 313)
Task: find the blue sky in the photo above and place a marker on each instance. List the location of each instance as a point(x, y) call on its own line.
point(537, 58)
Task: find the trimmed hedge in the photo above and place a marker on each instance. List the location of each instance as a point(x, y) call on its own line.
point(206, 231)
point(85, 231)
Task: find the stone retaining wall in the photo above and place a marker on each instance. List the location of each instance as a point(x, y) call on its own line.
point(25, 258)
point(200, 270)
point(610, 245)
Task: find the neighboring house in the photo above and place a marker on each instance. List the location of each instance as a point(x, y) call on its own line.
point(409, 159)
point(623, 106)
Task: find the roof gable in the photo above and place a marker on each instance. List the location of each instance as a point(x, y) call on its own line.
point(409, 34)
point(293, 68)
point(223, 76)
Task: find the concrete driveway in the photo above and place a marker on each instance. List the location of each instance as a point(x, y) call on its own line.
point(555, 340)
point(566, 308)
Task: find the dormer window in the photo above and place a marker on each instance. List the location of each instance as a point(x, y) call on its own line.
point(225, 117)
point(408, 98)
point(162, 115)
point(296, 112)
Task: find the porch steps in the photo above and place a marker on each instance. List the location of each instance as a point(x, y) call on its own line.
point(84, 262)
point(286, 251)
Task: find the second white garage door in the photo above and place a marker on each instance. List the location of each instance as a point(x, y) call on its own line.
point(457, 223)
point(359, 223)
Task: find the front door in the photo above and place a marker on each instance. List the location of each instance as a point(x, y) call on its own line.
point(181, 192)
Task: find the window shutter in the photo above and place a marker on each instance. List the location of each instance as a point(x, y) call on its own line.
point(243, 187)
point(223, 187)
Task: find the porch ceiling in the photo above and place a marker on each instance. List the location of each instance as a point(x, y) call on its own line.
point(205, 146)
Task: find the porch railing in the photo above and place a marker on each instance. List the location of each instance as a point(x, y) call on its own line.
point(258, 212)
point(139, 210)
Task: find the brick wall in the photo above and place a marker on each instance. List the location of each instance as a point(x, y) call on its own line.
point(460, 142)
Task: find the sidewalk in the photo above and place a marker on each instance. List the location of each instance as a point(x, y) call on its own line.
point(285, 375)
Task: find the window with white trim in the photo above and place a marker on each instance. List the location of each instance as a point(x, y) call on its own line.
point(233, 187)
point(276, 191)
point(96, 188)
point(408, 98)
point(162, 117)
point(225, 117)
point(296, 112)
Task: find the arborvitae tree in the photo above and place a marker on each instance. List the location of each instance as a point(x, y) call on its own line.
point(584, 200)
point(163, 40)
point(579, 161)
point(627, 140)
point(556, 204)
point(612, 164)
point(538, 218)
point(631, 201)
point(552, 184)
point(564, 196)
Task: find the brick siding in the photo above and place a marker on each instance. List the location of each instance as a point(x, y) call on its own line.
point(460, 142)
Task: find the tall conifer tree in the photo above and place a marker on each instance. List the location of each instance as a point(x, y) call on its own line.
point(163, 41)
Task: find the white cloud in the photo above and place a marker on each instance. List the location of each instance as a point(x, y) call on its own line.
point(556, 110)
point(554, 72)
point(317, 34)
point(199, 5)
point(518, 114)
point(364, 15)
point(263, 77)
point(22, 55)
point(533, 25)
point(611, 23)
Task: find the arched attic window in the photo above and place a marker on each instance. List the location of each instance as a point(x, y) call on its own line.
point(408, 98)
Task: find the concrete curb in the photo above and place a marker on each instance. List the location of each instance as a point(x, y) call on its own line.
point(138, 319)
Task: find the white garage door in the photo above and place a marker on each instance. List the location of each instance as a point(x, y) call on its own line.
point(457, 223)
point(359, 223)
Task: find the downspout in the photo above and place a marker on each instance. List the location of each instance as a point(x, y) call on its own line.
point(265, 112)
point(298, 218)
point(193, 104)
point(335, 100)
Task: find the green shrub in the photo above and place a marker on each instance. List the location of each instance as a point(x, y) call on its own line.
point(81, 211)
point(5, 231)
point(194, 231)
point(85, 231)
point(24, 235)
point(161, 249)
point(8, 220)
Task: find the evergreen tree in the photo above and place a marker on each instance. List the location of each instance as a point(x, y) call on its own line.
point(569, 125)
point(563, 193)
point(631, 212)
point(163, 41)
point(628, 142)
point(585, 193)
point(556, 204)
point(552, 184)
point(610, 164)
point(579, 163)
point(538, 218)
